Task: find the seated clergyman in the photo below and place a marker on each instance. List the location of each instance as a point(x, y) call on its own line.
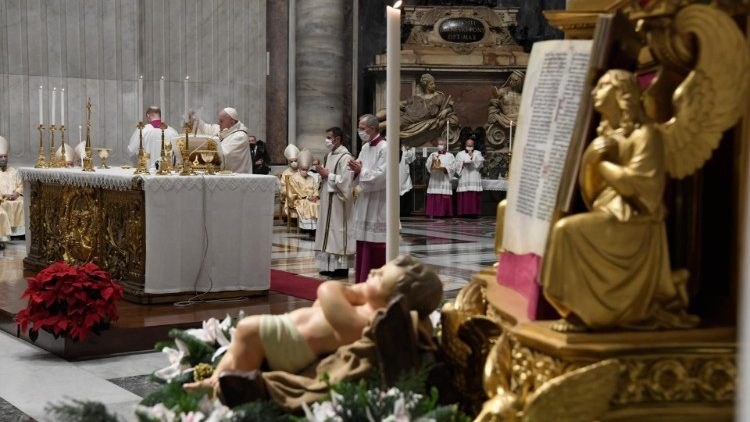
point(291, 342)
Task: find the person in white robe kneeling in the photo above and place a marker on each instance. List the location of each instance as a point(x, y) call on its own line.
point(440, 164)
point(334, 239)
point(469, 191)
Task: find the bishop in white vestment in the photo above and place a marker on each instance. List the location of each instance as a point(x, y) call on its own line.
point(369, 209)
point(234, 140)
point(151, 138)
point(11, 191)
point(334, 239)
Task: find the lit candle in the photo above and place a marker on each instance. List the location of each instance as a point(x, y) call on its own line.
point(424, 152)
point(161, 99)
point(393, 87)
point(62, 107)
point(52, 115)
point(510, 140)
point(185, 88)
point(140, 97)
point(41, 105)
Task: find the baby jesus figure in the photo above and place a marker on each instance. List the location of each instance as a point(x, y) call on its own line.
point(291, 342)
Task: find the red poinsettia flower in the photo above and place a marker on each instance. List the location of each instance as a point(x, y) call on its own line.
point(70, 300)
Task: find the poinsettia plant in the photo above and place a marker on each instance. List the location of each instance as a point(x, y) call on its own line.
point(70, 300)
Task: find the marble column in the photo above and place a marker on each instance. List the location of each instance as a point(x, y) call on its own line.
point(320, 70)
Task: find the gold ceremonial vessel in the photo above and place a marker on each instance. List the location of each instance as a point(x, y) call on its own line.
point(103, 155)
point(436, 163)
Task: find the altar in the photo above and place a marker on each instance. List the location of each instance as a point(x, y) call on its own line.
point(161, 237)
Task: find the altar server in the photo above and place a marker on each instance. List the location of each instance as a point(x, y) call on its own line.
point(234, 139)
point(151, 138)
point(11, 190)
point(469, 192)
point(369, 209)
point(290, 153)
point(334, 239)
point(439, 190)
point(303, 194)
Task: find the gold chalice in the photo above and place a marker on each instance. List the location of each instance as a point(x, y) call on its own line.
point(208, 158)
point(104, 155)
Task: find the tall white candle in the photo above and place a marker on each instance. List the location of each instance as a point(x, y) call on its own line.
point(41, 104)
point(62, 107)
point(185, 88)
point(161, 99)
point(510, 140)
point(393, 88)
point(140, 98)
point(447, 131)
point(52, 115)
point(80, 134)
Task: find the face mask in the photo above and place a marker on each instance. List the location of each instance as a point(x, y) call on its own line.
point(363, 135)
point(469, 149)
point(3, 162)
point(441, 147)
point(156, 123)
point(293, 165)
point(329, 143)
point(303, 173)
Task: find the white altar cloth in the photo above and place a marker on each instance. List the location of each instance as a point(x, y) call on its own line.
point(203, 233)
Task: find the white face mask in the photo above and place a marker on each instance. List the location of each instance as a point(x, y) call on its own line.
point(329, 143)
point(469, 149)
point(441, 147)
point(293, 164)
point(363, 135)
point(303, 173)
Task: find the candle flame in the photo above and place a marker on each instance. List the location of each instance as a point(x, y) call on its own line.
point(397, 4)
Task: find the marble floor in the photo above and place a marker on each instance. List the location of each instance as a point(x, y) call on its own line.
point(30, 377)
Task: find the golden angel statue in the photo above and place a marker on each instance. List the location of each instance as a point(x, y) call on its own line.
point(610, 267)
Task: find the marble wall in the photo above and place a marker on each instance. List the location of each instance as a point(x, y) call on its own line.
point(97, 49)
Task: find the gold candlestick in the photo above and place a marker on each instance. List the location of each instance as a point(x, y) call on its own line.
point(88, 161)
point(41, 162)
point(163, 165)
point(62, 162)
point(187, 166)
point(52, 161)
point(141, 169)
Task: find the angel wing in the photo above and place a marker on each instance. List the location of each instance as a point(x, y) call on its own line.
point(713, 95)
point(580, 395)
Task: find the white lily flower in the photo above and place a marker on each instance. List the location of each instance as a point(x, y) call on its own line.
point(158, 412)
point(321, 412)
point(175, 357)
point(192, 417)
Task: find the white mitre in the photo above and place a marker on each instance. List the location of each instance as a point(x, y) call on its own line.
point(291, 152)
point(4, 145)
point(232, 112)
point(80, 151)
point(305, 158)
point(68, 153)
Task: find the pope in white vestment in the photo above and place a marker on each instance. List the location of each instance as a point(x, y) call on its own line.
point(369, 209)
point(234, 140)
point(151, 138)
point(334, 239)
point(11, 191)
point(439, 191)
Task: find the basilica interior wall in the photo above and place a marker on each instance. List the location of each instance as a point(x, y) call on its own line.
point(97, 49)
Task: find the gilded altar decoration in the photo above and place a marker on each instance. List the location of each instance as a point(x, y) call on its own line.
point(84, 224)
point(71, 301)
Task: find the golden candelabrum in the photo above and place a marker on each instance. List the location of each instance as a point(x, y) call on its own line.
point(141, 168)
point(187, 166)
point(88, 161)
point(41, 162)
point(62, 162)
point(163, 162)
point(52, 161)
